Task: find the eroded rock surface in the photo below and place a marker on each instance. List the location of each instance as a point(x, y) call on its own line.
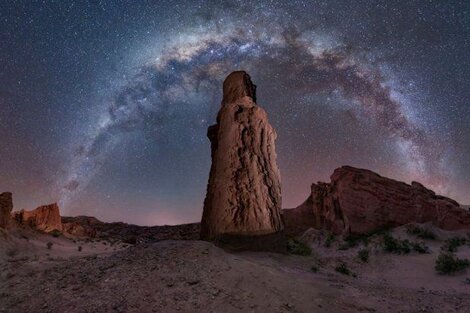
point(45, 218)
point(244, 192)
point(80, 226)
point(359, 201)
point(6, 206)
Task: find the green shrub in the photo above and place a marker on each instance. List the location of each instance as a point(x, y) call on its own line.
point(296, 247)
point(452, 244)
point(363, 255)
point(49, 245)
point(132, 240)
point(80, 248)
point(55, 233)
point(353, 240)
point(329, 239)
point(420, 232)
point(447, 263)
point(11, 252)
point(344, 246)
point(399, 246)
point(420, 247)
point(342, 268)
point(314, 268)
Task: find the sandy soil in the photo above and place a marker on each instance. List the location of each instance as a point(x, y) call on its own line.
point(196, 276)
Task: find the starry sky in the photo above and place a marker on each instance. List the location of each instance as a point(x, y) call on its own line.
point(104, 105)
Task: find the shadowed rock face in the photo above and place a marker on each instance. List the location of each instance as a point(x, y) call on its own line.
point(45, 218)
point(243, 193)
point(359, 201)
point(6, 205)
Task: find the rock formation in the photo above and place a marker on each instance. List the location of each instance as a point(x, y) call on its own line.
point(243, 193)
point(80, 226)
point(6, 205)
point(45, 218)
point(359, 201)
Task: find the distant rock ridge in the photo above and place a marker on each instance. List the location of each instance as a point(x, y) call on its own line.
point(359, 201)
point(6, 206)
point(244, 191)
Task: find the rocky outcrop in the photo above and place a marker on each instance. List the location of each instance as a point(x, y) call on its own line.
point(359, 201)
point(77, 230)
point(80, 226)
point(6, 206)
point(45, 218)
point(243, 193)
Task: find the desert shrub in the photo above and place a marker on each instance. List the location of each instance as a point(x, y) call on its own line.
point(353, 240)
point(80, 248)
point(49, 245)
point(3, 233)
point(363, 255)
point(399, 246)
point(132, 240)
point(55, 233)
point(452, 244)
point(420, 232)
point(342, 268)
point(329, 239)
point(296, 247)
point(345, 246)
point(447, 263)
point(11, 252)
point(420, 247)
point(314, 268)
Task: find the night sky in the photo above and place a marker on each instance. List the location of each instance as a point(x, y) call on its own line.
point(104, 105)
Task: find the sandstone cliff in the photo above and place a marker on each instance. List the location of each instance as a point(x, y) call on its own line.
point(243, 192)
point(359, 201)
point(45, 218)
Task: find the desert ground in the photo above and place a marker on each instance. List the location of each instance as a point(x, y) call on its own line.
point(109, 274)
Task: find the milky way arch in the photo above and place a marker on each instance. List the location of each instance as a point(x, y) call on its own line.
point(186, 69)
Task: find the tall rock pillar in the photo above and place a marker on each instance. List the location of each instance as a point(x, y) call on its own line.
point(244, 190)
